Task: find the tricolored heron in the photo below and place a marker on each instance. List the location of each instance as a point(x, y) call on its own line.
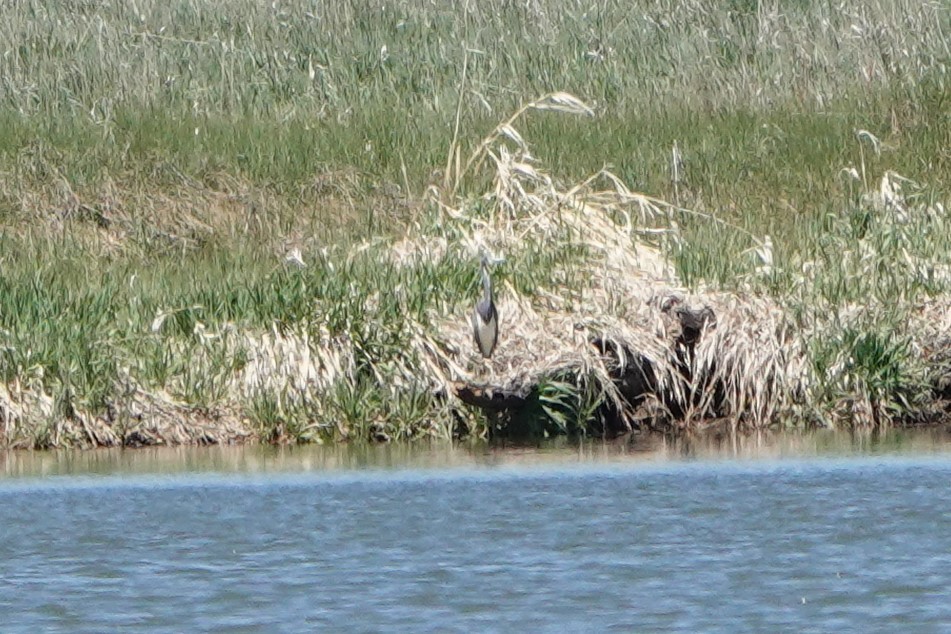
point(485, 318)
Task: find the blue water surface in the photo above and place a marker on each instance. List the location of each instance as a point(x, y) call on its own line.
point(856, 542)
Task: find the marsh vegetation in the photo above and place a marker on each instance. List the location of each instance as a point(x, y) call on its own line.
point(234, 219)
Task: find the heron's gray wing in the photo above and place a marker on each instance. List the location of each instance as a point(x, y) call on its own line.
point(485, 310)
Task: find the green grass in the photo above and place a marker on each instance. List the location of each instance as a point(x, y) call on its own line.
point(160, 157)
point(744, 88)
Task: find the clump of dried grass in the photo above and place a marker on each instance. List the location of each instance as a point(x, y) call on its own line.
point(297, 365)
point(32, 418)
point(745, 367)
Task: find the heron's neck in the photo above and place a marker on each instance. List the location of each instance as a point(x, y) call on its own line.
point(486, 285)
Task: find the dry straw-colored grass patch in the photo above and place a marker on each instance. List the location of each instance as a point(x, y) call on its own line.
point(608, 318)
point(31, 418)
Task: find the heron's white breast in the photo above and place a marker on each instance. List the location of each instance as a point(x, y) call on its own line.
point(485, 332)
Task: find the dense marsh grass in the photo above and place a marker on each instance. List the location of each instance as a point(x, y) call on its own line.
point(758, 94)
point(158, 161)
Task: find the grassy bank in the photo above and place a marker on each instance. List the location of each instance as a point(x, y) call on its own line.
point(159, 162)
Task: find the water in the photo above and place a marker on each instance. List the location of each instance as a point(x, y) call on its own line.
point(813, 533)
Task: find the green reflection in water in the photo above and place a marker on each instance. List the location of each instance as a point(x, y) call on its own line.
point(651, 449)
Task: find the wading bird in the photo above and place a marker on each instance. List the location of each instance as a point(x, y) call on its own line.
point(485, 319)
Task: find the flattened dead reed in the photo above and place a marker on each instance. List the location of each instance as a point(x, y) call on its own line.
point(748, 366)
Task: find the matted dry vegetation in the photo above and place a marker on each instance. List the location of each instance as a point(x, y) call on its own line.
point(610, 328)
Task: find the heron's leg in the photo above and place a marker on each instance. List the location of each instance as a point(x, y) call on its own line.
point(491, 367)
point(482, 369)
